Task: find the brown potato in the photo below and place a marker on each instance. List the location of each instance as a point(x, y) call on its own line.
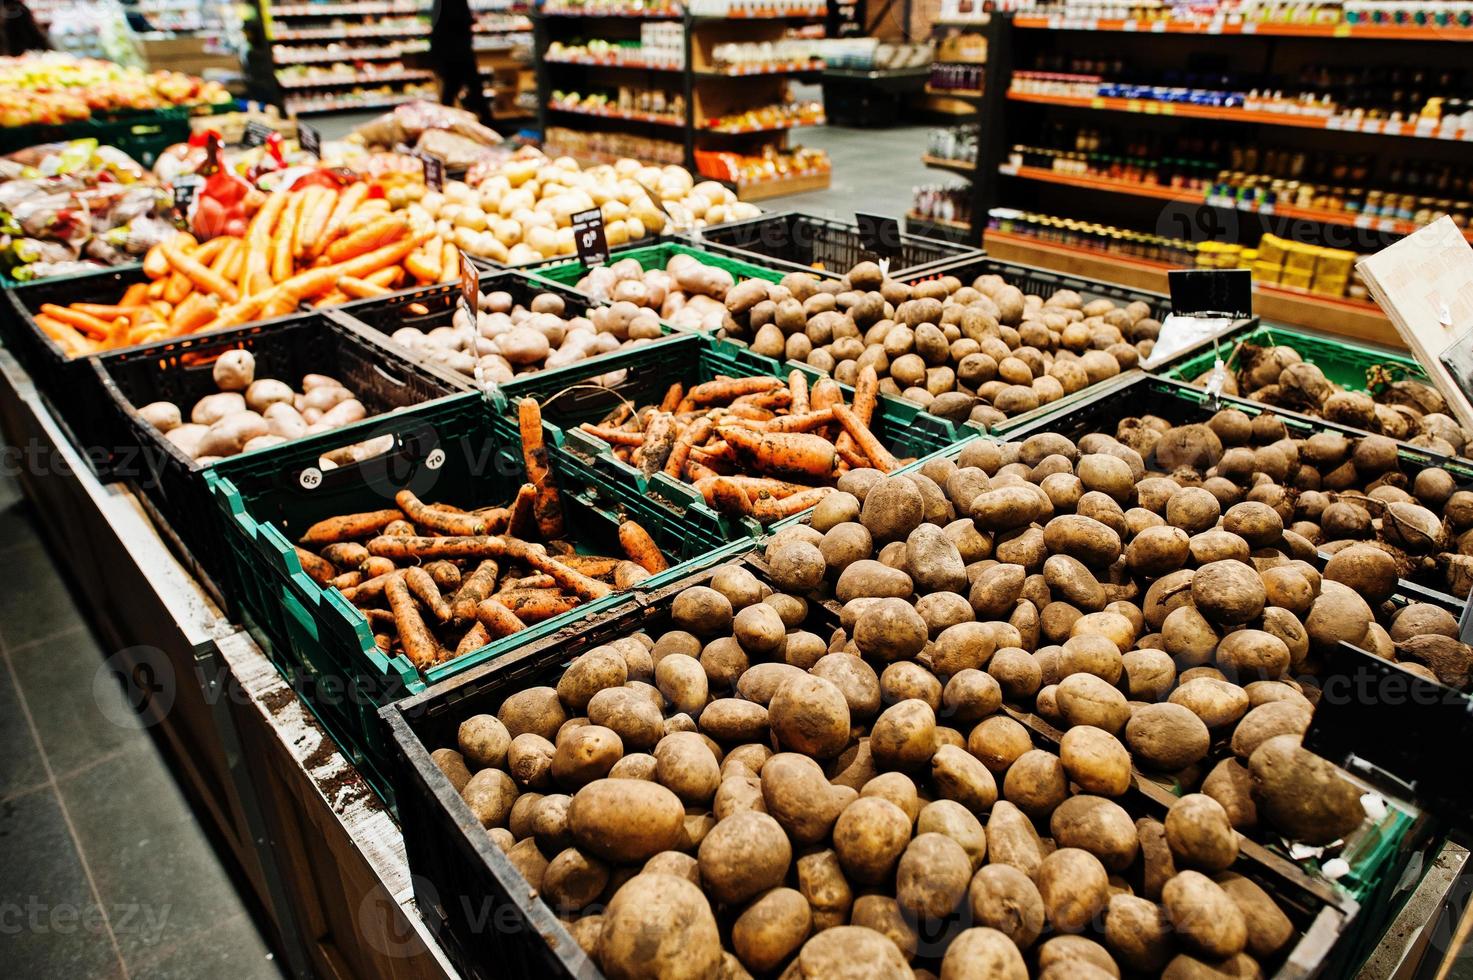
point(999, 741)
point(1207, 921)
point(1301, 795)
point(833, 952)
point(869, 837)
point(932, 876)
point(626, 820)
point(1166, 737)
point(1074, 888)
point(981, 953)
point(882, 914)
point(1269, 929)
point(1099, 826)
point(1095, 760)
point(659, 925)
point(1036, 783)
point(1200, 834)
point(770, 929)
point(1138, 932)
point(743, 856)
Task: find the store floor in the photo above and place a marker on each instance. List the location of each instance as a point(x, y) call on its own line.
point(105, 872)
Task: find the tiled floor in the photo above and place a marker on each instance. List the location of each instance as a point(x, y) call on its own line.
point(104, 870)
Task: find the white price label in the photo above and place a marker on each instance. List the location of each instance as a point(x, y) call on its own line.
point(435, 459)
point(310, 478)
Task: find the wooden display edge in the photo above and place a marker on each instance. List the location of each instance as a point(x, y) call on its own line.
point(779, 188)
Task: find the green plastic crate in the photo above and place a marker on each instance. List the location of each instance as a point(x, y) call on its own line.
point(1344, 363)
point(655, 257)
point(447, 450)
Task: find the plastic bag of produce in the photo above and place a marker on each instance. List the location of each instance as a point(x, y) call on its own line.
point(406, 123)
point(57, 217)
point(46, 270)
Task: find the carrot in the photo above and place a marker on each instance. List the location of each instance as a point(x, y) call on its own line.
point(659, 441)
point(537, 581)
point(782, 453)
point(865, 440)
point(360, 288)
point(345, 204)
point(825, 394)
point(523, 512)
point(640, 547)
point(347, 580)
point(380, 619)
point(376, 234)
point(574, 581)
point(313, 282)
point(419, 548)
point(806, 422)
point(335, 298)
point(852, 458)
point(629, 574)
point(319, 570)
point(432, 518)
point(798, 389)
point(315, 216)
point(243, 311)
point(347, 527)
point(729, 389)
point(729, 498)
point(475, 638)
point(535, 605)
point(156, 290)
point(594, 566)
point(369, 262)
point(498, 620)
point(771, 400)
point(198, 311)
point(446, 575)
point(92, 326)
point(155, 266)
point(419, 643)
point(756, 486)
point(673, 397)
point(473, 588)
point(866, 390)
point(375, 566)
point(449, 263)
point(386, 278)
point(548, 508)
point(207, 253)
point(615, 437)
point(423, 587)
point(67, 337)
point(107, 311)
point(136, 294)
point(345, 554)
point(200, 275)
point(255, 273)
point(769, 509)
point(400, 529)
point(695, 433)
point(696, 470)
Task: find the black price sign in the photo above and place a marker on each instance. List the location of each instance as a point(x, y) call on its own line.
point(879, 234)
point(186, 186)
point(1223, 292)
point(256, 133)
point(470, 284)
point(310, 139)
point(588, 237)
point(434, 170)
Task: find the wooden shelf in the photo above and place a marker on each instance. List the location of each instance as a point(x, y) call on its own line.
point(954, 93)
point(1378, 32)
point(775, 128)
point(1186, 110)
point(1343, 317)
point(965, 168)
point(778, 188)
point(938, 222)
point(1133, 188)
point(640, 117)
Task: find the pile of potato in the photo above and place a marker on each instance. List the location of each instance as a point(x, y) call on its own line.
point(509, 338)
point(520, 211)
point(1406, 409)
point(248, 413)
point(982, 352)
point(686, 293)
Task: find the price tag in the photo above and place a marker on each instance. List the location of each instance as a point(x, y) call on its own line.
point(256, 133)
point(879, 234)
point(186, 187)
point(1211, 292)
point(588, 237)
point(470, 284)
point(434, 169)
point(310, 139)
point(310, 478)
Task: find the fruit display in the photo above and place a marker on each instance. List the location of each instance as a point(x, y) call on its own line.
point(982, 352)
point(509, 339)
point(1405, 408)
point(773, 163)
point(76, 207)
point(519, 211)
point(51, 88)
point(785, 116)
point(436, 582)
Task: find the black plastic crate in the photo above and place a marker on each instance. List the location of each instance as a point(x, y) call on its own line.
point(1043, 282)
point(492, 924)
point(384, 378)
point(811, 242)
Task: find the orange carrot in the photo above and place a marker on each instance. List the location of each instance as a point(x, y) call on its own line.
point(320, 570)
point(67, 337)
point(156, 289)
point(865, 440)
point(806, 422)
point(94, 327)
point(798, 388)
point(851, 457)
point(369, 262)
point(423, 588)
point(538, 581)
point(315, 216)
point(313, 282)
point(347, 527)
point(200, 275)
point(615, 437)
point(729, 389)
point(345, 554)
point(347, 580)
point(548, 508)
point(281, 239)
point(475, 638)
point(378, 233)
point(449, 263)
point(176, 287)
point(783, 453)
point(473, 588)
point(769, 509)
point(419, 643)
point(594, 566)
point(629, 574)
point(673, 397)
point(729, 498)
point(155, 266)
point(866, 390)
point(207, 253)
point(360, 288)
point(695, 433)
point(349, 199)
point(386, 278)
point(432, 518)
point(135, 295)
point(498, 620)
point(535, 605)
point(197, 311)
point(523, 521)
point(640, 547)
point(574, 581)
point(408, 549)
point(825, 394)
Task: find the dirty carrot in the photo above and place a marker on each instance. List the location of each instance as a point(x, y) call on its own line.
point(695, 434)
point(574, 581)
point(798, 389)
point(445, 574)
point(641, 548)
point(370, 589)
point(473, 588)
point(347, 527)
point(419, 643)
point(345, 554)
point(498, 620)
point(726, 496)
point(673, 396)
point(868, 444)
point(475, 638)
point(614, 437)
point(535, 605)
point(629, 574)
point(423, 588)
point(659, 440)
point(848, 456)
point(400, 528)
point(538, 581)
point(428, 549)
point(783, 453)
point(806, 422)
point(549, 506)
point(433, 518)
point(866, 390)
point(594, 566)
point(769, 509)
point(523, 521)
point(318, 569)
point(729, 389)
point(347, 580)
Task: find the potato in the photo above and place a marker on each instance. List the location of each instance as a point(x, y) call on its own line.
point(1074, 888)
point(810, 715)
point(1085, 699)
point(1096, 825)
point(1228, 592)
point(1230, 785)
point(770, 929)
point(1036, 783)
point(536, 710)
point(867, 578)
point(626, 820)
point(702, 610)
point(1200, 835)
point(1095, 760)
point(573, 880)
point(869, 837)
point(1206, 920)
point(855, 679)
point(683, 682)
point(529, 760)
point(744, 855)
point(904, 736)
point(1266, 721)
point(1166, 737)
point(932, 876)
point(1269, 929)
point(957, 822)
point(586, 754)
point(659, 925)
point(234, 370)
point(1301, 795)
point(890, 629)
point(797, 567)
point(599, 668)
point(981, 953)
point(1075, 956)
point(484, 741)
point(685, 765)
point(998, 742)
point(797, 794)
point(1216, 702)
point(490, 794)
point(882, 914)
point(631, 715)
point(529, 862)
point(849, 950)
point(452, 764)
point(1138, 932)
point(892, 509)
point(958, 775)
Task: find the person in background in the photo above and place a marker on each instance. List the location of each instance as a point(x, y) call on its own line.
point(452, 49)
point(19, 31)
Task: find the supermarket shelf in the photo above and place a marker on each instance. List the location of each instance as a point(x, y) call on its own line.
point(350, 54)
point(1279, 304)
point(799, 184)
point(671, 14)
point(347, 9)
point(938, 222)
point(743, 130)
point(964, 167)
point(338, 34)
point(600, 63)
point(812, 67)
point(1373, 32)
point(954, 93)
point(1188, 111)
point(815, 14)
point(327, 81)
point(1388, 226)
point(344, 105)
point(641, 117)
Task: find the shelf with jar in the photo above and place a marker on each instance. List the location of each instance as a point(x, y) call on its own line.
point(366, 43)
point(772, 173)
point(1383, 20)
